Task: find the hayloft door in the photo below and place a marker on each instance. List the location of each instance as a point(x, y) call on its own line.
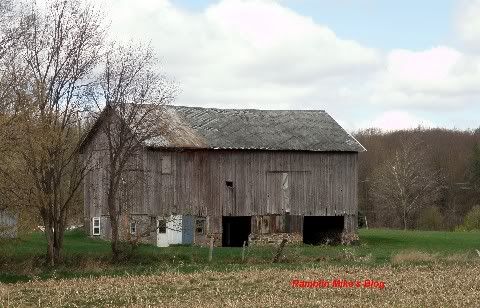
point(230, 206)
point(287, 190)
point(278, 192)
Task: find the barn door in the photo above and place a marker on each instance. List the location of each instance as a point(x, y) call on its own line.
point(230, 204)
point(278, 192)
point(162, 236)
point(169, 230)
point(288, 191)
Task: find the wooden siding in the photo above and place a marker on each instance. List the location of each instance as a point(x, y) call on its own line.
point(267, 224)
point(319, 183)
point(193, 182)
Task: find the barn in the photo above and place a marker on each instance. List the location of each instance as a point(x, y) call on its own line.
point(237, 175)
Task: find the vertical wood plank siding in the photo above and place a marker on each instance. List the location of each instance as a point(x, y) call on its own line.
point(320, 183)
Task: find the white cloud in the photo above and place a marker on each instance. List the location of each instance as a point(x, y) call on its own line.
point(440, 76)
point(468, 23)
point(260, 54)
point(248, 53)
point(432, 65)
point(395, 119)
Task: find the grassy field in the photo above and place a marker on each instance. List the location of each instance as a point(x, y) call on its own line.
point(417, 269)
point(21, 259)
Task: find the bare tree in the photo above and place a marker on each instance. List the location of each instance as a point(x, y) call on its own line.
point(8, 33)
point(48, 62)
point(406, 182)
point(11, 31)
point(133, 93)
point(55, 56)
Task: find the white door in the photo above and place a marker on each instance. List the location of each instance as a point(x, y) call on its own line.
point(169, 231)
point(162, 237)
point(174, 229)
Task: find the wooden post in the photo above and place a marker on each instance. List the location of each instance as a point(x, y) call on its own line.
point(210, 253)
point(243, 251)
point(279, 251)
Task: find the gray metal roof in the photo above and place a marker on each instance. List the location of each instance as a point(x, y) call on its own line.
point(211, 128)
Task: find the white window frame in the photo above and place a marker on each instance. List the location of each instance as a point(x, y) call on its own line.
point(95, 225)
point(133, 228)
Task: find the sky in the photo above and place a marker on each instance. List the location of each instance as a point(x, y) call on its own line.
point(369, 63)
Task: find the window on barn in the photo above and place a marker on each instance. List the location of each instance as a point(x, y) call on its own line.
point(200, 226)
point(166, 164)
point(96, 225)
point(133, 228)
point(162, 226)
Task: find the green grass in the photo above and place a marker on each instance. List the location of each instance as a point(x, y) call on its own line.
point(383, 243)
point(35, 243)
point(22, 259)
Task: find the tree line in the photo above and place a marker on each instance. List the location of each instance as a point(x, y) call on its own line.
point(420, 178)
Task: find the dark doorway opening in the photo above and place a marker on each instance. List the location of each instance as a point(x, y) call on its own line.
point(322, 229)
point(236, 230)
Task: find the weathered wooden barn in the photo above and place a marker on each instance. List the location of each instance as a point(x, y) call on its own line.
point(238, 175)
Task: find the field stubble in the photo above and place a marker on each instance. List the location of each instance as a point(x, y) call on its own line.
point(431, 285)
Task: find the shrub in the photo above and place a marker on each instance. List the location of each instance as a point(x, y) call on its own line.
point(430, 219)
point(471, 220)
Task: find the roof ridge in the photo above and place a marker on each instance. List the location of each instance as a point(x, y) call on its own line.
point(246, 109)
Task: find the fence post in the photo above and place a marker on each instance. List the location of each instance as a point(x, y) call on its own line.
point(210, 253)
point(279, 251)
point(243, 251)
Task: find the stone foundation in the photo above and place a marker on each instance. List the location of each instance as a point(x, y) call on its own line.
point(275, 238)
point(349, 239)
point(297, 238)
point(204, 240)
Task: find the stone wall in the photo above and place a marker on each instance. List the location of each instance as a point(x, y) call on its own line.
point(274, 238)
point(345, 238)
point(349, 239)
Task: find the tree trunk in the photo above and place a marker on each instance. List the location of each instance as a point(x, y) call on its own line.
point(113, 215)
point(115, 237)
point(54, 236)
point(50, 261)
point(58, 244)
point(50, 248)
point(112, 211)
